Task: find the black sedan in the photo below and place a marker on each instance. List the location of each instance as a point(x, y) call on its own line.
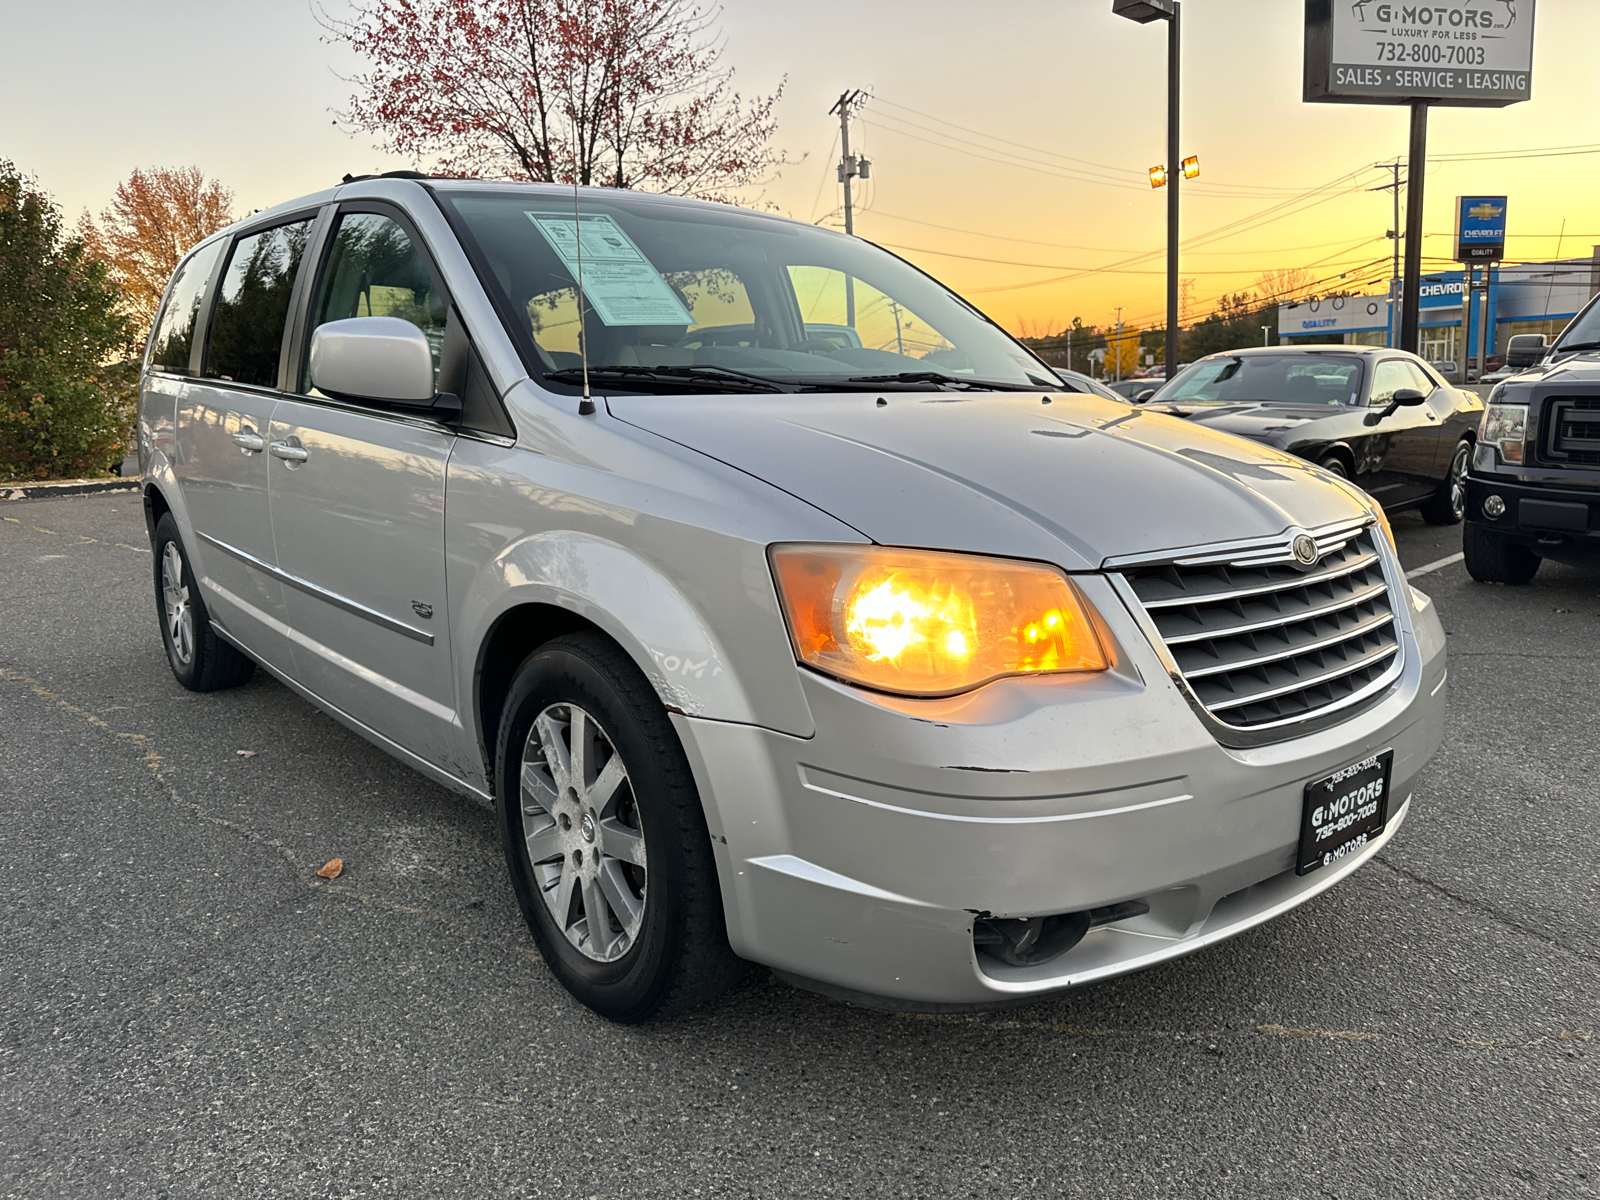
point(1379, 417)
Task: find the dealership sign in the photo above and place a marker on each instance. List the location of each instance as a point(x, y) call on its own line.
point(1480, 228)
point(1460, 52)
point(1334, 316)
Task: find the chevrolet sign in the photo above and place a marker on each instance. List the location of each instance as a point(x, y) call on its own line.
point(1480, 228)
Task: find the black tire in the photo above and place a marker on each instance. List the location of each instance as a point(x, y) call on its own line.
point(1494, 558)
point(1449, 504)
point(1335, 464)
point(678, 957)
point(199, 659)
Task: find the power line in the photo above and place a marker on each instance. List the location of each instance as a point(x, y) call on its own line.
point(1004, 262)
point(1135, 178)
point(1103, 249)
point(1265, 216)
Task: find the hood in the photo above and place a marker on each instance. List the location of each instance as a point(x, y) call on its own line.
point(1582, 366)
point(1270, 421)
point(1074, 481)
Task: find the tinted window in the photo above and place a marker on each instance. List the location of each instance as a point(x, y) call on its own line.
point(174, 330)
point(253, 305)
point(374, 270)
point(1242, 379)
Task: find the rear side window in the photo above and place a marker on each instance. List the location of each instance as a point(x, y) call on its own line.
point(253, 305)
point(374, 270)
point(174, 329)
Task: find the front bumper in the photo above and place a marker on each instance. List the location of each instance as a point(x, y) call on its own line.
point(1548, 517)
point(858, 860)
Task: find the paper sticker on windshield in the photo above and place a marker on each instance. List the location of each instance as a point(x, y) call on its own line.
point(619, 282)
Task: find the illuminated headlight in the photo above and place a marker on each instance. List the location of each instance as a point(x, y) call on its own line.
point(1505, 427)
point(923, 623)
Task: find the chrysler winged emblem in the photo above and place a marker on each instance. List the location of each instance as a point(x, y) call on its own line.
point(1304, 548)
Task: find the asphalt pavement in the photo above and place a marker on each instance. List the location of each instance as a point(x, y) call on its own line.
point(186, 1009)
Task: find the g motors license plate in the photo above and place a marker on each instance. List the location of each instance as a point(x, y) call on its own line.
point(1343, 812)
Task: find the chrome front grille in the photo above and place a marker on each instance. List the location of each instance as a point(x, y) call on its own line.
point(1261, 641)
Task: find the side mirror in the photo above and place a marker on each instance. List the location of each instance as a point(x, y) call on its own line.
point(1403, 398)
point(382, 360)
point(1144, 395)
point(1525, 350)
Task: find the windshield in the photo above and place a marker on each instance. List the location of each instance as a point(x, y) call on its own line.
point(1584, 331)
point(1260, 378)
point(681, 295)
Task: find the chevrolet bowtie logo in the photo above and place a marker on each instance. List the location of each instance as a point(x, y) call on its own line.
point(1485, 211)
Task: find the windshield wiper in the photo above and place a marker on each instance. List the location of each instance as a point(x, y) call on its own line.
point(939, 377)
point(719, 379)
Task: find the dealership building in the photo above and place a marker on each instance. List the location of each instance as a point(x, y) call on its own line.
point(1522, 298)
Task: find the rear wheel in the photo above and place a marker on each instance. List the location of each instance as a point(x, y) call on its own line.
point(605, 837)
point(199, 659)
point(1449, 504)
point(1493, 558)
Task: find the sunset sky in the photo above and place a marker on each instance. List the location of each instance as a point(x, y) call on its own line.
point(1009, 142)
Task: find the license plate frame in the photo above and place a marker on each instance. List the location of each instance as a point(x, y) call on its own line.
point(1343, 811)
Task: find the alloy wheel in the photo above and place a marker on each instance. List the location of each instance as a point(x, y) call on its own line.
point(175, 601)
point(1458, 483)
point(584, 837)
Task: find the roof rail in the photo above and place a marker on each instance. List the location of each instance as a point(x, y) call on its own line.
point(388, 175)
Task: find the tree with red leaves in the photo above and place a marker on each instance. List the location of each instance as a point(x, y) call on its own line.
point(154, 218)
point(613, 93)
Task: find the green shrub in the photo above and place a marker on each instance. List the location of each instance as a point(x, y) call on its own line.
point(67, 381)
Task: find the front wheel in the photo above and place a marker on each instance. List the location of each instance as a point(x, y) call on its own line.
point(1335, 465)
point(1449, 504)
point(1493, 558)
point(605, 837)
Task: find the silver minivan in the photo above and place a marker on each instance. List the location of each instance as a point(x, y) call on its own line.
point(787, 610)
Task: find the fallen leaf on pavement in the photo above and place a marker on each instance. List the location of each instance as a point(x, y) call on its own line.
point(245, 753)
point(331, 868)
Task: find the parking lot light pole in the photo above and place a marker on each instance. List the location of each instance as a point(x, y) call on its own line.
point(1145, 11)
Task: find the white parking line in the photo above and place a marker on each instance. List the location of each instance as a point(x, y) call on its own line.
point(1429, 568)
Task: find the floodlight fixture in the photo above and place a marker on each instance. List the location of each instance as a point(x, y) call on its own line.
point(1158, 177)
point(1191, 167)
point(1145, 11)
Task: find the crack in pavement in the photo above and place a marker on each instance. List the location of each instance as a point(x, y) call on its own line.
point(1490, 911)
point(154, 763)
point(1210, 1037)
point(82, 539)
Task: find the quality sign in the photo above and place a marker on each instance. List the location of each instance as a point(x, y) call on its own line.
point(1453, 52)
point(1480, 228)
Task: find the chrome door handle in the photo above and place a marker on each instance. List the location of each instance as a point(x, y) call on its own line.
point(249, 441)
point(290, 453)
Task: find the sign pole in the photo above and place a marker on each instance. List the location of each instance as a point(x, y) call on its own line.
point(1416, 170)
point(1174, 174)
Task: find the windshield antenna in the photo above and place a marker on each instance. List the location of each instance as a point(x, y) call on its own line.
point(586, 405)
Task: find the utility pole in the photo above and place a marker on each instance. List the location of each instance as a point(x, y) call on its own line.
point(1118, 367)
point(850, 169)
point(1394, 235)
